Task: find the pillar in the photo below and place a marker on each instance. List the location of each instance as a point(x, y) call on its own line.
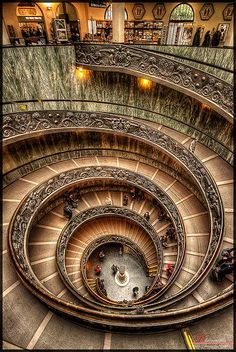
point(118, 22)
point(5, 37)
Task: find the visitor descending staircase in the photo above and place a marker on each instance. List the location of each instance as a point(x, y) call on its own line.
point(39, 244)
point(192, 287)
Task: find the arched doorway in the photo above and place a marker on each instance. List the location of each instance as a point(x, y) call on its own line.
point(31, 22)
point(181, 25)
point(108, 13)
point(104, 28)
point(67, 11)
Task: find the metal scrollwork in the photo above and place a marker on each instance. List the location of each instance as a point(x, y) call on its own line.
point(101, 121)
point(98, 212)
point(137, 60)
point(39, 197)
point(94, 245)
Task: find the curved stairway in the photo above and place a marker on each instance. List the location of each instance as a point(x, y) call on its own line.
point(44, 234)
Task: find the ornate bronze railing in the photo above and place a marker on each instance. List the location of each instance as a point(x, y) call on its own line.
point(201, 85)
point(65, 179)
point(57, 200)
point(150, 310)
point(38, 198)
point(95, 213)
point(158, 139)
point(112, 238)
point(209, 140)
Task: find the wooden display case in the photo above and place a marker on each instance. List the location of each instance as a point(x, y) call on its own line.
point(135, 32)
point(144, 32)
point(101, 31)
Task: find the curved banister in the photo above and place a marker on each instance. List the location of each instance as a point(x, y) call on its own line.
point(97, 213)
point(151, 307)
point(96, 244)
point(66, 178)
point(12, 127)
point(31, 205)
point(160, 140)
point(155, 314)
point(201, 85)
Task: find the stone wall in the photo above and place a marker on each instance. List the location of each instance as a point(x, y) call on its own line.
point(48, 73)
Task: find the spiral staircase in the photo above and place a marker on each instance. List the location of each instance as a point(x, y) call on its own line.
point(51, 300)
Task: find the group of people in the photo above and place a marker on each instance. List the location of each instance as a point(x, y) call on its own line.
point(162, 215)
point(115, 267)
point(157, 287)
point(169, 269)
point(98, 268)
point(71, 201)
point(136, 193)
point(31, 32)
point(211, 38)
point(225, 265)
point(170, 235)
point(101, 286)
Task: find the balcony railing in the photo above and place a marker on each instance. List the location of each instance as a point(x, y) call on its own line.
point(191, 81)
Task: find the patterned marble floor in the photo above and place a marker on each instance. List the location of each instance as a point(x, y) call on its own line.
point(137, 274)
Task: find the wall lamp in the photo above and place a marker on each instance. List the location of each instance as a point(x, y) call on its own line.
point(144, 83)
point(82, 73)
point(48, 6)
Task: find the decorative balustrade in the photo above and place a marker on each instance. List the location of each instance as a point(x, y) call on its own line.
point(20, 227)
point(38, 198)
point(97, 243)
point(14, 127)
point(18, 125)
point(191, 81)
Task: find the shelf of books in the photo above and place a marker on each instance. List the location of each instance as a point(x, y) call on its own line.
point(145, 32)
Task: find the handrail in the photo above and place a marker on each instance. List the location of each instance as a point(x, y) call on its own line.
point(101, 211)
point(152, 317)
point(112, 238)
point(187, 58)
point(157, 138)
point(67, 305)
point(49, 188)
point(64, 277)
point(190, 80)
point(159, 67)
point(8, 125)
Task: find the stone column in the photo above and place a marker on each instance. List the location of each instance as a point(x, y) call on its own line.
point(5, 38)
point(122, 276)
point(118, 22)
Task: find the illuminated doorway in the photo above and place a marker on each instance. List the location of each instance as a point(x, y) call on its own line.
point(181, 25)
